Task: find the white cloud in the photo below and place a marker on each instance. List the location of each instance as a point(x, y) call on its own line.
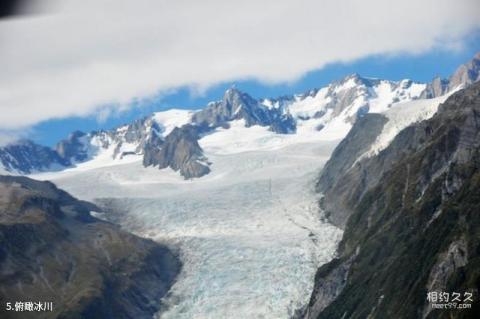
point(89, 53)
point(10, 136)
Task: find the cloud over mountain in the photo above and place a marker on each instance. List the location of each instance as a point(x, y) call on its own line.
point(78, 56)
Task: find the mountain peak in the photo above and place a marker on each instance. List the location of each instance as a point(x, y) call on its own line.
point(234, 100)
point(356, 78)
point(354, 75)
point(233, 93)
point(467, 73)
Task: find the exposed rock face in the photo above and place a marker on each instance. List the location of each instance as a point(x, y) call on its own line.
point(448, 263)
point(344, 98)
point(238, 105)
point(181, 152)
point(26, 156)
point(413, 222)
point(330, 280)
point(465, 75)
point(333, 181)
point(437, 87)
point(141, 133)
point(52, 249)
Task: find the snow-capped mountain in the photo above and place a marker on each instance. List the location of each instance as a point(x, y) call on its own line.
point(123, 141)
point(416, 200)
point(349, 97)
point(28, 157)
point(238, 105)
point(248, 232)
point(324, 114)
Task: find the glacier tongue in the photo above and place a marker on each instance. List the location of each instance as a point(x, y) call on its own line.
point(249, 233)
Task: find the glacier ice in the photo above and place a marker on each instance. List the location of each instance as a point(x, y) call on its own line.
point(249, 233)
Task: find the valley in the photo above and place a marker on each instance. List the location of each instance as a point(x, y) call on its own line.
point(236, 189)
point(248, 234)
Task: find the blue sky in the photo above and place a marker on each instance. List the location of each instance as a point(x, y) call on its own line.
point(420, 68)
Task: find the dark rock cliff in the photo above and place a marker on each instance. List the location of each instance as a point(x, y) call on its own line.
point(180, 151)
point(52, 249)
point(412, 224)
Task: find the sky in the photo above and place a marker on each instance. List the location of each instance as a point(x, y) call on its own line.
point(90, 65)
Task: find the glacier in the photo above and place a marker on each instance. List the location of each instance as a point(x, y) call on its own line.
point(249, 233)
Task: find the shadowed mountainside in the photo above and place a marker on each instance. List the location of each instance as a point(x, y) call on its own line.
point(52, 249)
point(411, 220)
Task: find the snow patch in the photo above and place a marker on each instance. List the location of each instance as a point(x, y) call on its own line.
point(310, 105)
point(399, 117)
point(172, 118)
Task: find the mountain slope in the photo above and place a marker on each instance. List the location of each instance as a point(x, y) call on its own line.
point(52, 249)
point(417, 200)
point(27, 157)
point(347, 176)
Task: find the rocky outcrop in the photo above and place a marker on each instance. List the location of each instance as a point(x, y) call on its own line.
point(238, 105)
point(53, 250)
point(467, 73)
point(143, 133)
point(341, 99)
point(413, 222)
point(463, 76)
point(180, 151)
point(437, 87)
point(80, 146)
